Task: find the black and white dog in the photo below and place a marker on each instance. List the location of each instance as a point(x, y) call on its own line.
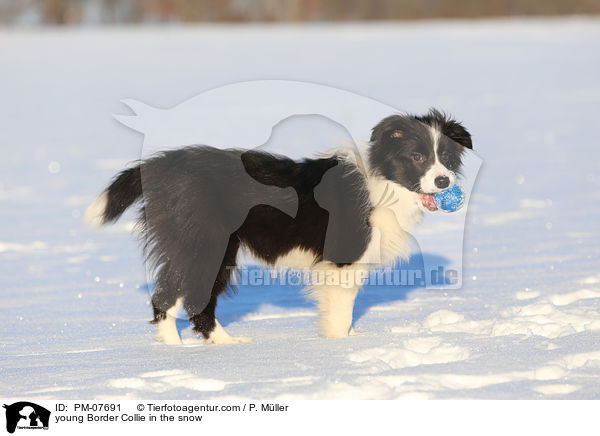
point(346, 211)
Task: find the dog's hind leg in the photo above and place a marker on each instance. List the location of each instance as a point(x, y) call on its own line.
point(205, 322)
point(166, 305)
point(166, 323)
point(220, 337)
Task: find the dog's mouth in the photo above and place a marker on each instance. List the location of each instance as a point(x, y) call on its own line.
point(427, 202)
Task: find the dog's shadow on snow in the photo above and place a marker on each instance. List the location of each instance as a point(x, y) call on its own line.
point(259, 294)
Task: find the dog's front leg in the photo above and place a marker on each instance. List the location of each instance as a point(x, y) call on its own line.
point(335, 295)
point(336, 306)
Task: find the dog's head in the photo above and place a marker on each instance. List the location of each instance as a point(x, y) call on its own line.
point(421, 153)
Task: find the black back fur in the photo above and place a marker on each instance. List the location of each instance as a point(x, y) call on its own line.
point(202, 203)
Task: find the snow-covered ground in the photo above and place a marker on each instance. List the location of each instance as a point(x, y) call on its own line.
point(526, 324)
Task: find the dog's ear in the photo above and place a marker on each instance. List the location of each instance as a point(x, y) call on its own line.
point(392, 127)
point(458, 133)
point(448, 126)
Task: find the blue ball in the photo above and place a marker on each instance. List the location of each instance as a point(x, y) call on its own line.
point(449, 200)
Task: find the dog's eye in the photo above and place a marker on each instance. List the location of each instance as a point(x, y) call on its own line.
point(444, 156)
point(418, 157)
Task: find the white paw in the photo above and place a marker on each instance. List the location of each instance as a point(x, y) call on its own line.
point(220, 337)
point(169, 340)
point(228, 340)
point(193, 342)
point(333, 328)
point(166, 332)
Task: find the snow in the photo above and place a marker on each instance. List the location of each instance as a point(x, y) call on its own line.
point(75, 302)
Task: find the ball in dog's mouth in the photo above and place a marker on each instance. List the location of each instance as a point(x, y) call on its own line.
point(427, 202)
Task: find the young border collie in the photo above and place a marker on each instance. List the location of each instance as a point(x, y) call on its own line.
point(348, 211)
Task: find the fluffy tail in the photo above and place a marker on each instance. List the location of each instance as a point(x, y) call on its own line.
point(122, 193)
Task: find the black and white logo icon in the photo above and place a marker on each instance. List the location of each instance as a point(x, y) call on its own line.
point(26, 415)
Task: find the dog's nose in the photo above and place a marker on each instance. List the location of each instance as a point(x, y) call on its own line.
point(442, 182)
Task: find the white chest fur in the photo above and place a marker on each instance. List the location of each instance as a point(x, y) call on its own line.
point(395, 214)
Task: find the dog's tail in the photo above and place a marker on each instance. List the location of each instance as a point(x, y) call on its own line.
point(125, 189)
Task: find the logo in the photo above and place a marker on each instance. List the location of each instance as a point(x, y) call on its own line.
point(26, 415)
